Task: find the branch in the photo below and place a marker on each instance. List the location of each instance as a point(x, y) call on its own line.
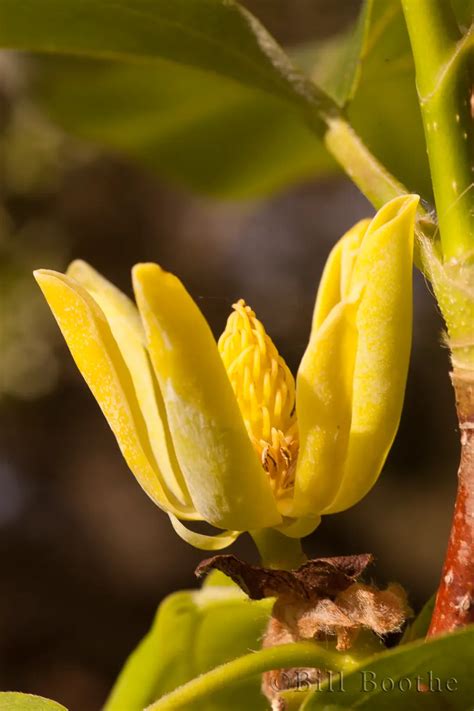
point(455, 599)
point(442, 73)
point(441, 59)
point(370, 176)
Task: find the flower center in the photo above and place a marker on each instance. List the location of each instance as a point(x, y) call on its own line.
point(265, 391)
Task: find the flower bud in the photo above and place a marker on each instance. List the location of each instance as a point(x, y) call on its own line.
point(351, 381)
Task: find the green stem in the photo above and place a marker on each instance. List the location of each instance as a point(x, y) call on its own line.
point(370, 176)
point(301, 654)
point(441, 59)
point(277, 550)
point(328, 122)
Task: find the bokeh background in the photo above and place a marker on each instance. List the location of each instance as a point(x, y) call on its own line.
point(85, 556)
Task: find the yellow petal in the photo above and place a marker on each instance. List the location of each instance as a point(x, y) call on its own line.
point(126, 326)
point(334, 280)
point(299, 527)
point(200, 540)
point(323, 402)
point(97, 356)
point(324, 382)
point(384, 323)
point(227, 483)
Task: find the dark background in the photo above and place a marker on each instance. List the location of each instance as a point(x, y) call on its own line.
point(85, 556)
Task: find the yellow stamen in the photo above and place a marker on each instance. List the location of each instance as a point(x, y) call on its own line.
point(265, 390)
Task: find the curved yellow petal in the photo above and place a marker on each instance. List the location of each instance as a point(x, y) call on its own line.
point(227, 483)
point(200, 540)
point(324, 382)
point(384, 324)
point(127, 329)
point(110, 299)
point(336, 273)
point(98, 357)
point(299, 527)
point(323, 402)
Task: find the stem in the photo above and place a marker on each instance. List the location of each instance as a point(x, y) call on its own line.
point(277, 550)
point(370, 176)
point(442, 75)
point(455, 600)
point(301, 654)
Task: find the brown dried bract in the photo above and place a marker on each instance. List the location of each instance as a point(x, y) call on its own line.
point(316, 578)
point(322, 601)
point(342, 618)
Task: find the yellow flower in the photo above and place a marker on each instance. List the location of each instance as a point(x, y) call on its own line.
point(221, 433)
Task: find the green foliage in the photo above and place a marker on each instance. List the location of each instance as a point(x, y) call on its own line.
point(191, 127)
point(370, 70)
point(464, 11)
point(198, 90)
point(447, 657)
point(384, 108)
point(206, 689)
point(193, 632)
point(216, 36)
point(334, 64)
point(420, 625)
point(11, 701)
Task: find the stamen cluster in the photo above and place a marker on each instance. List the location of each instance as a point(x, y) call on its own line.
point(265, 391)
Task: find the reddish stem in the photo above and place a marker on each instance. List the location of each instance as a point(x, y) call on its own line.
point(455, 600)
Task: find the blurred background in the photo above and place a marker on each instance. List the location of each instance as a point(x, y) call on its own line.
point(86, 557)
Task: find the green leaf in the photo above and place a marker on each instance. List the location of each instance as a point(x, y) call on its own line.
point(193, 632)
point(371, 72)
point(218, 36)
point(334, 64)
point(189, 126)
point(205, 689)
point(420, 625)
point(384, 109)
point(197, 89)
point(210, 99)
point(12, 701)
point(464, 11)
point(446, 658)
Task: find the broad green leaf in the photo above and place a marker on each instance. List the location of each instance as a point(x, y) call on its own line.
point(334, 64)
point(371, 71)
point(384, 108)
point(190, 127)
point(206, 689)
point(12, 701)
point(420, 625)
point(218, 36)
point(446, 658)
point(197, 89)
point(208, 98)
point(193, 632)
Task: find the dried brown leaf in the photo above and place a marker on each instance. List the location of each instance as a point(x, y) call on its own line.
point(321, 577)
